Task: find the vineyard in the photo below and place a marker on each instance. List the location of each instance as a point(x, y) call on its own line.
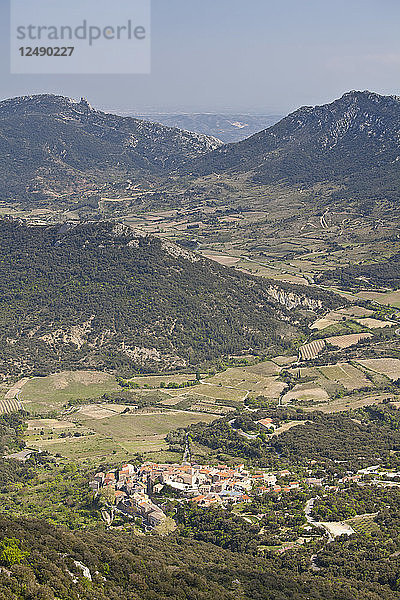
point(9, 405)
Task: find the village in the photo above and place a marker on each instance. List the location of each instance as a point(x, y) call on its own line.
point(133, 487)
point(138, 491)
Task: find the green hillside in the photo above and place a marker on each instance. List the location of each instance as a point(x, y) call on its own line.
point(100, 295)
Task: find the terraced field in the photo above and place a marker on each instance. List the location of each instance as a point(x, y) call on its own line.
point(312, 349)
point(9, 406)
point(346, 341)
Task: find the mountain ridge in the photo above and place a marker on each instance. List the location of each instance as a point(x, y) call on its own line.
point(51, 145)
point(357, 135)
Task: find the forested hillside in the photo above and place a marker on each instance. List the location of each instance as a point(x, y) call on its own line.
point(40, 562)
point(99, 295)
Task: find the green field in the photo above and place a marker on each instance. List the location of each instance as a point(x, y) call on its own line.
point(156, 380)
point(45, 394)
point(136, 427)
point(364, 524)
point(89, 449)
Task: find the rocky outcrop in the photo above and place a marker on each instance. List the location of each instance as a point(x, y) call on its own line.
point(291, 300)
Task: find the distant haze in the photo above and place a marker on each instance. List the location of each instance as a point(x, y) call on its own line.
point(225, 127)
point(259, 56)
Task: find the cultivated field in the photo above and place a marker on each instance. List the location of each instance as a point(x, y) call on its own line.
point(384, 366)
point(376, 323)
point(134, 427)
point(341, 315)
point(157, 380)
point(264, 368)
point(9, 406)
point(388, 298)
point(345, 341)
point(346, 375)
point(49, 424)
point(44, 394)
point(364, 524)
point(220, 392)
point(100, 411)
point(88, 449)
point(352, 402)
point(311, 350)
point(94, 438)
point(306, 392)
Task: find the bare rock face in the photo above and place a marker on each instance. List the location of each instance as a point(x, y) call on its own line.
point(292, 300)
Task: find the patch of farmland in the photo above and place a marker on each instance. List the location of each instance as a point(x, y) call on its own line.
point(376, 323)
point(355, 311)
point(126, 428)
point(172, 401)
point(211, 408)
point(352, 402)
point(239, 377)
point(269, 387)
point(306, 392)
point(323, 323)
point(345, 341)
point(226, 260)
point(284, 361)
point(94, 448)
point(346, 375)
point(39, 424)
point(312, 349)
point(364, 524)
point(264, 369)
point(16, 388)
point(335, 316)
point(9, 406)
point(157, 380)
point(384, 366)
point(100, 411)
point(51, 392)
point(220, 392)
point(388, 298)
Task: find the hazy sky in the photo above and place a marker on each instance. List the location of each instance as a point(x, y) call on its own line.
point(268, 56)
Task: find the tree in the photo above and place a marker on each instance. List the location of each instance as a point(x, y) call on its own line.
point(11, 553)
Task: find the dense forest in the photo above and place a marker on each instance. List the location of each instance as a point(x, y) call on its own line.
point(385, 273)
point(336, 441)
point(40, 562)
point(99, 295)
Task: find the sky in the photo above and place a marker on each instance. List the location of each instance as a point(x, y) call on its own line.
point(251, 56)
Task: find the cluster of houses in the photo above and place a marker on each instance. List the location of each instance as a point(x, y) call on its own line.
point(133, 487)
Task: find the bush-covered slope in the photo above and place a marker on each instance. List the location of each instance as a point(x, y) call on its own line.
point(378, 274)
point(41, 562)
point(99, 295)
